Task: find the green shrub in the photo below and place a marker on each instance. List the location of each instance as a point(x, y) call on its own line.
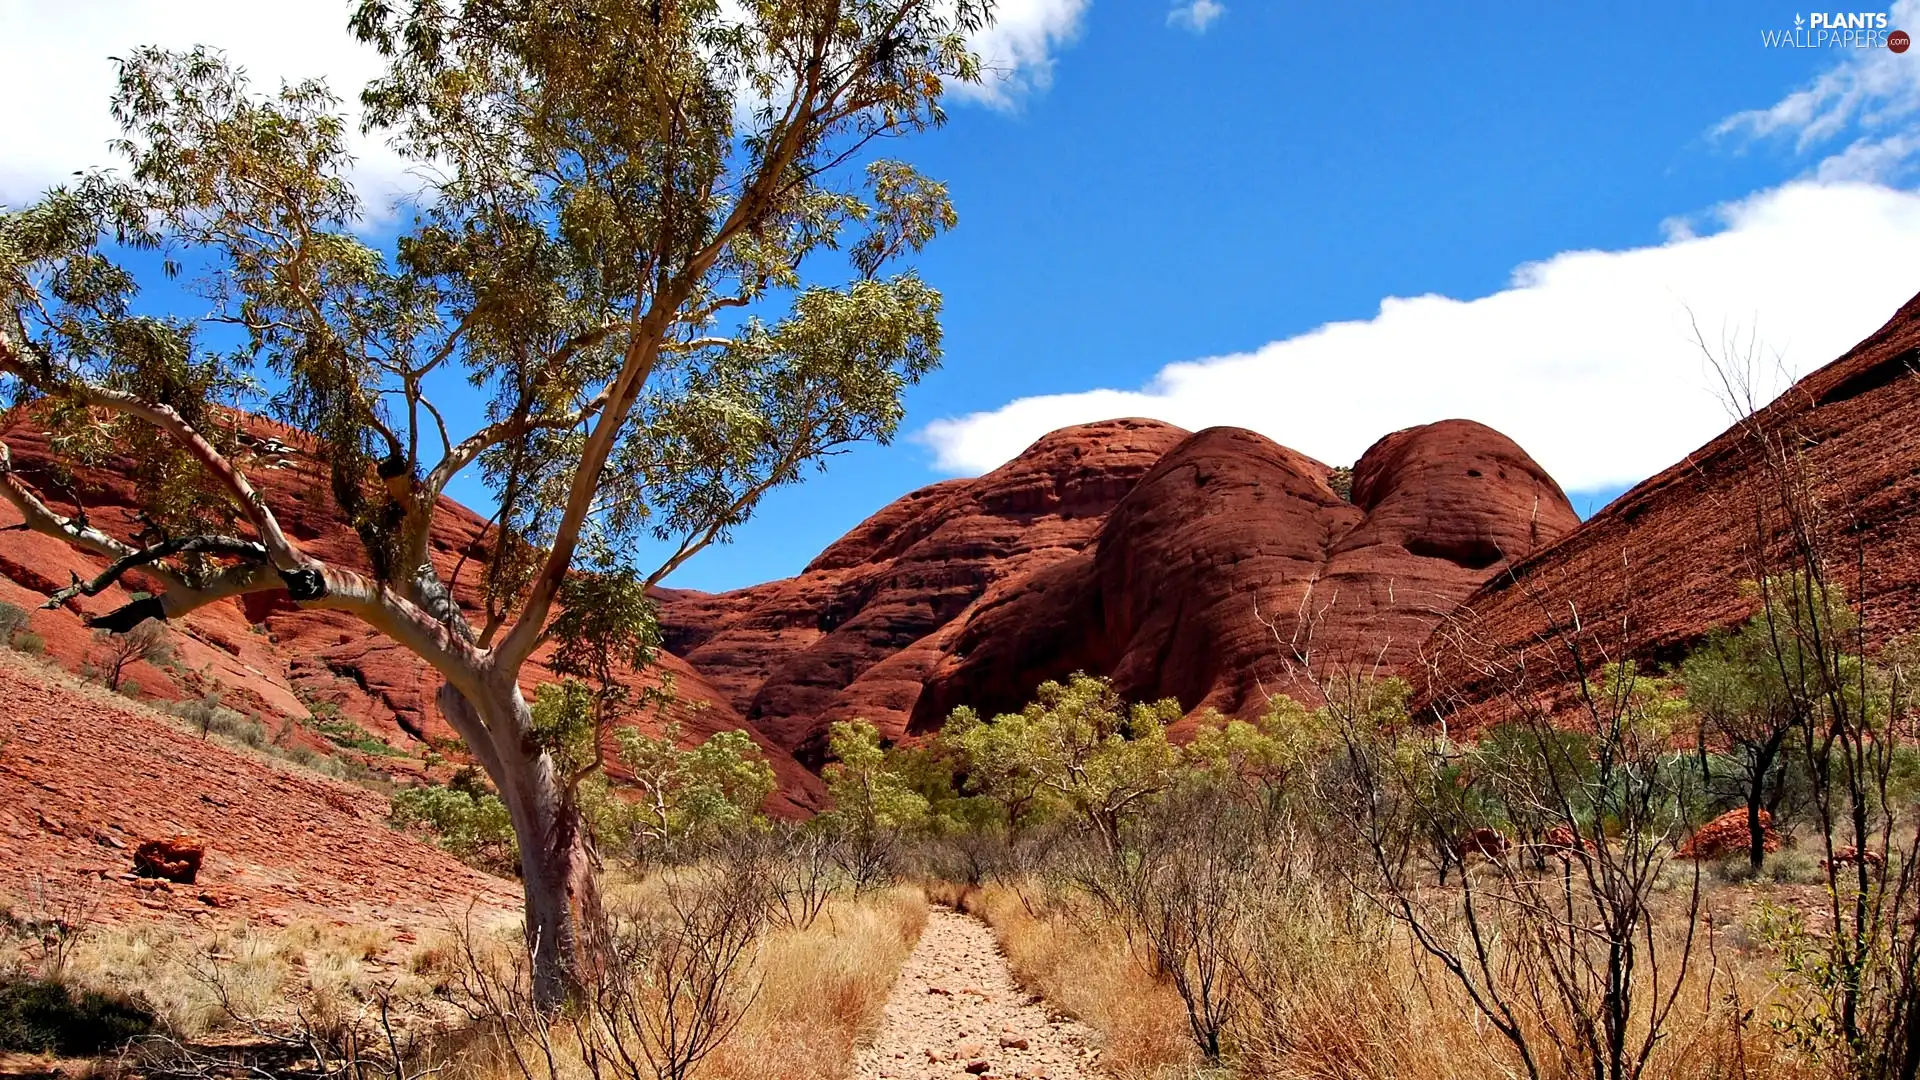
point(46, 1016)
point(1340, 479)
point(471, 824)
point(28, 642)
point(202, 714)
point(345, 733)
point(1795, 866)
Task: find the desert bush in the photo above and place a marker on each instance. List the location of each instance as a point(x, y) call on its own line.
point(112, 654)
point(467, 821)
point(793, 1005)
point(799, 866)
point(200, 713)
point(1562, 963)
point(28, 642)
point(42, 1015)
point(874, 806)
point(675, 979)
point(13, 620)
point(1202, 879)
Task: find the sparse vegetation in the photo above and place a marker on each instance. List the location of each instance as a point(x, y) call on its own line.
point(48, 1016)
point(464, 817)
point(1340, 479)
point(14, 621)
point(114, 653)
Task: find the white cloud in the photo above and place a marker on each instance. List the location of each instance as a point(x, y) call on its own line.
point(56, 73)
point(1196, 16)
point(1871, 97)
point(1017, 50)
point(1586, 359)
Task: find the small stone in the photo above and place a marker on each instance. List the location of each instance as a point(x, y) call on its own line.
point(977, 1067)
point(1012, 1042)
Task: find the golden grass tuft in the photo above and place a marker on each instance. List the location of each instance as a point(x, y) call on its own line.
point(192, 979)
point(822, 990)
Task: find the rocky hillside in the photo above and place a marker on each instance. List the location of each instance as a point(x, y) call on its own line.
point(1179, 563)
point(86, 777)
point(1666, 560)
point(263, 655)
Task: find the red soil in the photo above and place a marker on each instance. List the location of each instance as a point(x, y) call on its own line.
point(85, 779)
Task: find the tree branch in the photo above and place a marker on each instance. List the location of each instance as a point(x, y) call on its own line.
point(40, 518)
point(206, 545)
point(281, 551)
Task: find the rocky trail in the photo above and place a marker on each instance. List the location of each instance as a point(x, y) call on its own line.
point(955, 1014)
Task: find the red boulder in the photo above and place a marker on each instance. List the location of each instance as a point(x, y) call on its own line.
point(175, 858)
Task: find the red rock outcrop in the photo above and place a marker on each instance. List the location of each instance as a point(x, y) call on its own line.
point(1728, 834)
point(1233, 566)
point(263, 654)
point(175, 858)
point(858, 632)
point(1662, 565)
point(1128, 548)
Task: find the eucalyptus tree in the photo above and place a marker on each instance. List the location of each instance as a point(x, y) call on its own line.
point(617, 200)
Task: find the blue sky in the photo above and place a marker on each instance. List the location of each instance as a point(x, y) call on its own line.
point(1508, 215)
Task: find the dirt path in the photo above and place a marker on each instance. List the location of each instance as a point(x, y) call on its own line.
point(956, 1013)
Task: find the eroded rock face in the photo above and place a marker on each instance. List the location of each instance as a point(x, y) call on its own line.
point(1666, 560)
point(1167, 560)
point(1233, 567)
point(857, 633)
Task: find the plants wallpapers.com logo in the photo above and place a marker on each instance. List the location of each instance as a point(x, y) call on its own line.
point(1838, 30)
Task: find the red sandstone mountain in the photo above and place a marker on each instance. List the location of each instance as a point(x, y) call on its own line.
point(861, 628)
point(1667, 559)
point(1128, 548)
point(262, 654)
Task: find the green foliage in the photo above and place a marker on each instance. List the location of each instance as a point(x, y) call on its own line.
point(1077, 749)
point(1807, 961)
point(48, 1016)
point(606, 623)
point(686, 795)
point(466, 820)
point(28, 642)
point(1340, 479)
point(566, 724)
point(345, 733)
point(869, 797)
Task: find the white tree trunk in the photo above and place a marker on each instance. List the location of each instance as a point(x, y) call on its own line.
point(562, 902)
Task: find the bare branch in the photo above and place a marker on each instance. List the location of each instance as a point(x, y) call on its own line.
point(204, 545)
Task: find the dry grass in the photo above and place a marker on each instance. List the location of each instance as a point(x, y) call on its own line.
point(1341, 993)
point(195, 982)
point(822, 990)
point(817, 994)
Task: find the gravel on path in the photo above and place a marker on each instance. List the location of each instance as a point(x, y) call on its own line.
point(955, 1013)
